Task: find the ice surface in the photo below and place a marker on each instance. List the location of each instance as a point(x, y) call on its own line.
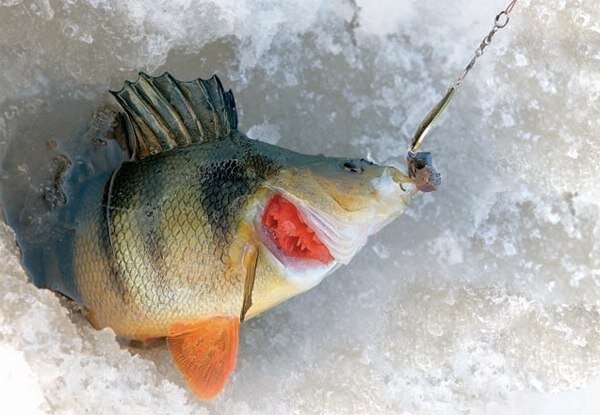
point(483, 298)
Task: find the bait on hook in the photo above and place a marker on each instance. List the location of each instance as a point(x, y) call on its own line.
point(420, 165)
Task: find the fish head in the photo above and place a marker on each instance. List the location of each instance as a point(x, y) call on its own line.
point(319, 211)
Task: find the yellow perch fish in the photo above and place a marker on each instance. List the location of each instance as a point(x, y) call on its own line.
point(203, 227)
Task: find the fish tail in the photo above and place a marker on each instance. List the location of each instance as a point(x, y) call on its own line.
point(45, 220)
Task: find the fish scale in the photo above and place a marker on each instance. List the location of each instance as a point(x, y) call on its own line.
point(200, 219)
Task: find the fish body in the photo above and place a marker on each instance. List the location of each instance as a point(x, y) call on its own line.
point(169, 239)
point(204, 227)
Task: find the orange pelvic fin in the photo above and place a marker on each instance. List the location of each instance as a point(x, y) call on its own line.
point(205, 353)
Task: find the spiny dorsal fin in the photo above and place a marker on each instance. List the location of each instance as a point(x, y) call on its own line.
point(164, 113)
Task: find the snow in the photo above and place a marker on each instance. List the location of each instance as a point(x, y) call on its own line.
point(483, 298)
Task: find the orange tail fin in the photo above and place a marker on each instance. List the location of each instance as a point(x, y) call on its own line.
point(205, 353)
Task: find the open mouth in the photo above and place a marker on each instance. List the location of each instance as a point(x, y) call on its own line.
point(293, 237)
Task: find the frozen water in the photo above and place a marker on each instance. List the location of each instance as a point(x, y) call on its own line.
point(483, 298)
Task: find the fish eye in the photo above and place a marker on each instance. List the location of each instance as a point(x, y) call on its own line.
point(353, 168)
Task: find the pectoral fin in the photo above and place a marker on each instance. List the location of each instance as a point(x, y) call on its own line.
point(205, 353)
point(250, 260)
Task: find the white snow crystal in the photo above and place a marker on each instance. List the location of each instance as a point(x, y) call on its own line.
point(483, 298)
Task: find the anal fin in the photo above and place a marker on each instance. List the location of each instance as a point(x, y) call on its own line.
point(205, 353)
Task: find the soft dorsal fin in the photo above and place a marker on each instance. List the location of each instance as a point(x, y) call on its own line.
point(164, 113)
point(205, 353)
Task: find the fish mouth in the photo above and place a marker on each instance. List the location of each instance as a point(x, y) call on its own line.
point(302, 237)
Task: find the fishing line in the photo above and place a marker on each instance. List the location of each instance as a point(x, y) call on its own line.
point(418, 161)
